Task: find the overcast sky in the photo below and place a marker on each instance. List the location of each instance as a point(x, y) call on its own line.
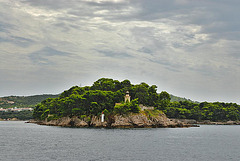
point(189, 48)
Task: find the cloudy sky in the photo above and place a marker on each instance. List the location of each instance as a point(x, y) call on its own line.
point(189, 48)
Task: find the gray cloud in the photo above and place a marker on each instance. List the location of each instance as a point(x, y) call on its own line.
point(114, 54)
point(41, 57)
point(189, 48)
point(4, 27)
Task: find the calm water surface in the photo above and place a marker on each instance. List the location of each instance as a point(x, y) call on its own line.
point(22, 142)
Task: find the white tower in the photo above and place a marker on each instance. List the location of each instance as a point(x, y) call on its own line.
point(102, 118)
point(127, 97)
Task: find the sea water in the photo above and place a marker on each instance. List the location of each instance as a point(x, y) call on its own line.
point(30, 142)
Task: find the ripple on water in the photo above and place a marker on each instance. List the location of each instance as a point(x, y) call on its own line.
point(20, 141)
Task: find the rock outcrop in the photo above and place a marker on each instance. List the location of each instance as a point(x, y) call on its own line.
point(140, 120)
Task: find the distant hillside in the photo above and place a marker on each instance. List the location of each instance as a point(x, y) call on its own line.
point(23, 101)
point(178, 99)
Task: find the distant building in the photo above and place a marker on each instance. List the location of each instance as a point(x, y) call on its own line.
point(15, 109)
point(127, 99)
point(10, 102)
point(3, 110)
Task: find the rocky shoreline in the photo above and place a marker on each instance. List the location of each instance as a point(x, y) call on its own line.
point(118, 121)
point(207, 122)
point(10, 119)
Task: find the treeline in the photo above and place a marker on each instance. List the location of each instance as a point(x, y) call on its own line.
point(101, 96)
point(216, 111)
point(22, 115)
point(24, 101)
point(104, 93)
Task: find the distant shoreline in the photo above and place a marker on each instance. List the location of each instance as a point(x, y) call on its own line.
point(12, 119)
point(219, 123)
point(184, 121)
point(118, 121)
point(207, 122)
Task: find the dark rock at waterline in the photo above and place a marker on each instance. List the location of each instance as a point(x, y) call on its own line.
point(208, 122)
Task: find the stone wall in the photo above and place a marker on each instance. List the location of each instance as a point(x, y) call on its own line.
point(145, 107)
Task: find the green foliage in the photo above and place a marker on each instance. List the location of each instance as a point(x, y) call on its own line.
point(164, 100)
point(134, 106)
point(105, 92)
point(204, 111)
point(23, 101)
point(52, 117)
point(102, 95)
point(122, 109)
point(152, 113)
point(127, 107)
point(106, 84)
point(22, 115)
point(106, 112)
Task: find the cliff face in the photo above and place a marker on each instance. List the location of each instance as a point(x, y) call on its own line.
point(119, 121)
point(143, 121)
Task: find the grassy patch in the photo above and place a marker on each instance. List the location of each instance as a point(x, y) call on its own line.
point(152, 113)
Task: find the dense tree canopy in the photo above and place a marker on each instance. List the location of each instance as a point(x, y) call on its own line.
point(105, 92)
point(204, 111)
point(22, 115)
point(102, 95)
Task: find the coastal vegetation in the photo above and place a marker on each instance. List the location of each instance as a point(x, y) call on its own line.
point(18, 102)
point(23, 101)
point(22, 115)
point(103, 95)
point(216, 111)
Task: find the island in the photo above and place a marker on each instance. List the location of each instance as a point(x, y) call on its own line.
point(140, 117)
point(107, 103)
